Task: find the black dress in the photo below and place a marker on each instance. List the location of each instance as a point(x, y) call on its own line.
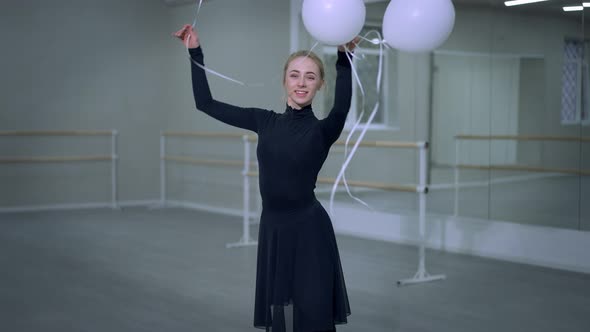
point(298, 269)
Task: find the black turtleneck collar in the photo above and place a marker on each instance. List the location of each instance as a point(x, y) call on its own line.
point(306, 110)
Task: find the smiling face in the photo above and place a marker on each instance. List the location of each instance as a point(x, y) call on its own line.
point(303, 78)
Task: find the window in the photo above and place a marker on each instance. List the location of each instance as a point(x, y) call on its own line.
point(575, 94)
point(366, 63)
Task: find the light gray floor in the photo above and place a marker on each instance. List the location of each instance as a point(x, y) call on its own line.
point(168, 270)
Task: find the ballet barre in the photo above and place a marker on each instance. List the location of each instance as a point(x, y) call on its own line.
point(19, 160)
point(524, 138)
point(520, 168)
point(206, 162)
point(387, 144)
point(204, 134)
point(421, 275)
point(246, 164)
point(525, 169)
point(367, 184)
point(248, 172)
point(58, 133)
point(67, 159)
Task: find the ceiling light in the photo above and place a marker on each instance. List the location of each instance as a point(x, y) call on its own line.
point(520, 2)
point(573, 8)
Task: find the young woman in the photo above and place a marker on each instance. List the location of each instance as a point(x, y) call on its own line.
point(299, 270)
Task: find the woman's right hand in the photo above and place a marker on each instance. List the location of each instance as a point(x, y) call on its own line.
point(350, 46)
point(187, 33)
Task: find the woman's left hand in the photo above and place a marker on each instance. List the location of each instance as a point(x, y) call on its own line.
point(350, 45)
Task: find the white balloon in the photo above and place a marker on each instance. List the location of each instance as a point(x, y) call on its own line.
point(418, 25)
point(333, 22)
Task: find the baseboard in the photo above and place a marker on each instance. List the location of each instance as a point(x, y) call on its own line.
point(76, 206)
point(139, 203)
point(209, 208)
point(125, 204)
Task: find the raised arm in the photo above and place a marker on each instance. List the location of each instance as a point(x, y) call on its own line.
point(246, 118)
point(333, 124)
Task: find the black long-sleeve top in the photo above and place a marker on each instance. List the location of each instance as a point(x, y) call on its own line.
point(292, 146)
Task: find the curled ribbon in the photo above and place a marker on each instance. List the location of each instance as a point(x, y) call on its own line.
point(348, 157)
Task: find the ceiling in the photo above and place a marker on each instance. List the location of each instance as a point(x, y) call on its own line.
point(549, 6)
point(545, 7)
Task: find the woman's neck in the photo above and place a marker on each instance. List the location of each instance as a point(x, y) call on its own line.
point(295, 106)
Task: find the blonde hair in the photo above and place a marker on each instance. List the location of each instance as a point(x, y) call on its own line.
point(308, 54)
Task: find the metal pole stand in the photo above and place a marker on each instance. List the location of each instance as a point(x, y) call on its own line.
point(246, 239)
point(422, 275)
point(162, 203)
point(114, 158)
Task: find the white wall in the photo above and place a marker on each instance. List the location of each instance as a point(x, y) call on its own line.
point(85, 65)
point(107, 64)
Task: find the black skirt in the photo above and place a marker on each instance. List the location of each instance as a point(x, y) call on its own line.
point(299, 275)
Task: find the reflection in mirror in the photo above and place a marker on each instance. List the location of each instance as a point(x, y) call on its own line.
point(508, 110)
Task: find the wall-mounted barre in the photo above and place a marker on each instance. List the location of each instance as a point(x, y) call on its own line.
point(524, 138)
point(66, 159)
point(525, 169)
point(17, 160)
point(207, 162)
point(366, 184)
point(57, 132)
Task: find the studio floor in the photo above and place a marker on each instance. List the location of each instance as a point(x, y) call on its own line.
point(139, 269)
